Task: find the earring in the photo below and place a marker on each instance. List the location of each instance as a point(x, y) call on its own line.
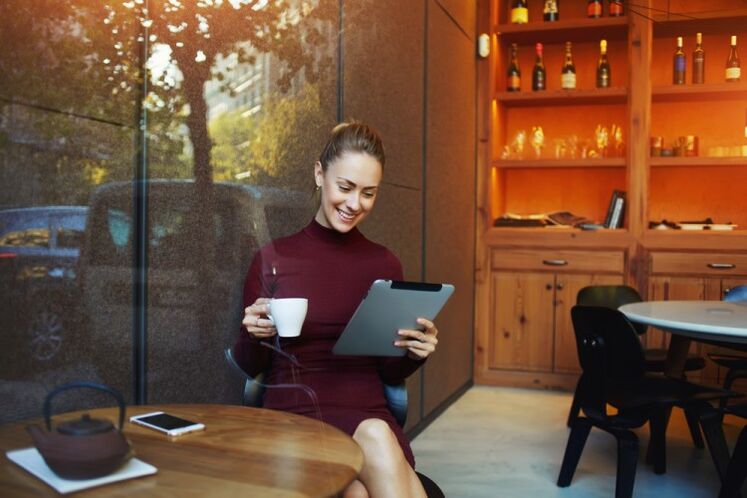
point(318, 187)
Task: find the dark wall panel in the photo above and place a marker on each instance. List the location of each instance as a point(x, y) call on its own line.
point(450, 198)
point(462, 12)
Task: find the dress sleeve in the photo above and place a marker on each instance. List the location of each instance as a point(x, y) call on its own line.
point(395, 370)
point(251, 356)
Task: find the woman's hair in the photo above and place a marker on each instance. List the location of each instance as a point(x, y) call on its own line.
point(352, 137)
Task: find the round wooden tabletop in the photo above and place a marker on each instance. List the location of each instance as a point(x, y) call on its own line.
point(242, 452)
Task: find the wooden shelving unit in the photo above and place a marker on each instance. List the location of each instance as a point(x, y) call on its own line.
point(699, 93)
point(700, 162)
point(582, 96)
point(707, 22)
point(602, 162)
point(612, 28)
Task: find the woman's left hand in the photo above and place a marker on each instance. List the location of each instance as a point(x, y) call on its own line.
point(419, 344)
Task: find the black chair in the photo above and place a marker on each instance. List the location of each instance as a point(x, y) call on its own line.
point(396, 398)
point(614, 296)
point(614, 373)
point(732, 470)
point(735, 364)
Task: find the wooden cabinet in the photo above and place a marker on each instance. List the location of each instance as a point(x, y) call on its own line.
point(523, 332)
point(532, 292)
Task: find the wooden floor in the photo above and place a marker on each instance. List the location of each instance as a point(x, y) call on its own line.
point(503, 442)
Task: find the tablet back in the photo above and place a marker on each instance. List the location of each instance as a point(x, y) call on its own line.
point(390, 305)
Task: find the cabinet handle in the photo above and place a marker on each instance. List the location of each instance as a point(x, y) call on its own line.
point(722, 266)
point(559, 286)
point(554, 262)
point(548, 286)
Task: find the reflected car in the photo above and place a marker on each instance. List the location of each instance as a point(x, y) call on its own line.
point(39, 251)
point(197, 259)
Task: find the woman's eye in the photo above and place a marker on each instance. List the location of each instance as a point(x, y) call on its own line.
point(370, 195)
point(343, 188)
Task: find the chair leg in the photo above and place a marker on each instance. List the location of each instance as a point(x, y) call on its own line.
point(576, 441)
point(657, 446)
point(575, 409)
point(737, 469)
point(711, 422)
point(692, 424)
point(627, 459)
point(728, 381)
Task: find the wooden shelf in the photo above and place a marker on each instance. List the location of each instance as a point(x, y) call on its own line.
point(658, 162)
point(606, 162)
point(576, 30)
point(614, 95)
point(704, 22)
point(709, 240)
point(558, 237)
point(705, 92)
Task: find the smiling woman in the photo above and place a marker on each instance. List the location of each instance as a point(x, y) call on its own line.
point(332, 264)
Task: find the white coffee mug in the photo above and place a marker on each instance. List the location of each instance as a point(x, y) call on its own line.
point(288, 314)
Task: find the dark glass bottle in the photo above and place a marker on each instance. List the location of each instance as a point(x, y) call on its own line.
point(539, 77)
point(733, 69)
point(679, 64)
point(594, 8)
point(604, 75)
point(551, 10)
point(568, 73)
point(519, 12)
point(513, 74)
point(699, 60)
point(616, 8)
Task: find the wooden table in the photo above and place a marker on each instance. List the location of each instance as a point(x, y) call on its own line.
point(243, 452)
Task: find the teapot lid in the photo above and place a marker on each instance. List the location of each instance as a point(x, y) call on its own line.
point(85, 426)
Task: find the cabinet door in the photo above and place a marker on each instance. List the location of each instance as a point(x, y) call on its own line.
point(566, 290)
point(522, 321)
point(687, 289)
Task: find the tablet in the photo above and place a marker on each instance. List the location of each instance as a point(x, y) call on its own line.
point(390, 305)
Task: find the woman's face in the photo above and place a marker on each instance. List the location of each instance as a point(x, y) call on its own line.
point(348, 190)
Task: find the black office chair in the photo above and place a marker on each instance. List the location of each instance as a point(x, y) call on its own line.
point(735, 364)
point(396, 398)
point(732, 470)
point(614, 296)
point(614, 373)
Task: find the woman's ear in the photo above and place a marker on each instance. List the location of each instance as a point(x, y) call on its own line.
point(318, 174)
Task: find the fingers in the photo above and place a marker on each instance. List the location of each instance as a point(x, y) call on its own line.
point(420, 344)
point(254, 320)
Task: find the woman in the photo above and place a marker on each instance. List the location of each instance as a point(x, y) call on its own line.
point(332, 264)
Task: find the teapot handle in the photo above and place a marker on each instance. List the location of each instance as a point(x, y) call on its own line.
point(80, 384)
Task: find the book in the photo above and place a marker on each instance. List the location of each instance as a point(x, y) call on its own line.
point(615, 210)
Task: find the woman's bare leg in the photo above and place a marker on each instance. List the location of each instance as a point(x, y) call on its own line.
point(385, 472)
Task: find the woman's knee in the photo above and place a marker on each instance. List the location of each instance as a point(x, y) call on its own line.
point(356, 489)
point(374, 430)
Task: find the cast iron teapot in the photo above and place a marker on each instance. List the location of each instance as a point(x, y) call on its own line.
point(84, 448)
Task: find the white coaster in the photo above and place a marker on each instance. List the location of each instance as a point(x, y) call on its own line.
point(32, 461)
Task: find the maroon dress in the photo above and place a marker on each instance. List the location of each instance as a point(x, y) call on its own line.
point(334, 271)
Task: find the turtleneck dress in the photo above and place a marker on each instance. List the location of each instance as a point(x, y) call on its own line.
point(334, 271)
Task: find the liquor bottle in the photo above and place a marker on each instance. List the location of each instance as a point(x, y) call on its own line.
point(539, 80)
point(550, 11)
point(699, 60)
point(513, 75)
point(616, 8)
point(733, 69)
point(604, 76)
point(594, 8)
point(568, 74)
point(680, 61)
point(519, 12)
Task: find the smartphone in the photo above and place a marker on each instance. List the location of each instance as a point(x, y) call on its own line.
point(168, 424)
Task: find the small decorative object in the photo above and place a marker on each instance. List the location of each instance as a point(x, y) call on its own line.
point(619, 146)
point(559, 148)
point(602, 136)
point(84, 448)
point(691, 146)
point(506, 152)
point(517, 145)
point(585, 146)
point(538, 141)
point(679, 146)
point(657, 143)
point(572, 146)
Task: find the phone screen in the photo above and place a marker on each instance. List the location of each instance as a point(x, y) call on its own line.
point(166, 421)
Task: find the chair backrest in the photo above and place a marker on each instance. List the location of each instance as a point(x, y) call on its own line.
point(610, 296)
point(254, 389)
point(609, 351)
point(738, 293)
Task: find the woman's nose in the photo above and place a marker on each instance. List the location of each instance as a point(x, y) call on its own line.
point(354, 201)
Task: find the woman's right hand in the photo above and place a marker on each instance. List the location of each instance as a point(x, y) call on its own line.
point(255, 320)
